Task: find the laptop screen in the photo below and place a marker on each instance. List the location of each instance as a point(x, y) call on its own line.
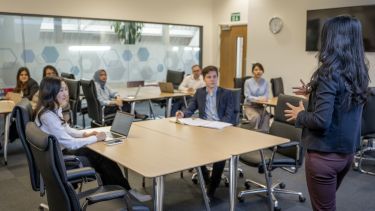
point(122, 123)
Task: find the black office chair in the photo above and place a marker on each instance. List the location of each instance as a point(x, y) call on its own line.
point(288, 156)
point(74, 98)
point(239, 84)
point(95, 110)
point(60, 192)
point(68, 75)
point(175, 77)
point(367, 134)
point(277, 86)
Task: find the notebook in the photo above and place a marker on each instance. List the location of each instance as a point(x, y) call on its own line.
point(121, 126)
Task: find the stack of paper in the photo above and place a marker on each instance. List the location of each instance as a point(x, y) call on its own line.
point(203, 123)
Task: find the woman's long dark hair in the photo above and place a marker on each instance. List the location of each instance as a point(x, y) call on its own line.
point(21, 86)
point(342, 51)
point(48, 90)
point(51, 68)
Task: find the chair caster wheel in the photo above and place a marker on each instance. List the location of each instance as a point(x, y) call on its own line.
point(277, 209)
point(282, 185)
point(195, 181)
point(301, 199)
point(241, 175)
point(240, 199)
point(247, 185)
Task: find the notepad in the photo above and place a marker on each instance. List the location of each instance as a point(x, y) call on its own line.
point(202, 123)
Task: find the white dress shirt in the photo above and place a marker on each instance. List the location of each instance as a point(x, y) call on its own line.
point(70, 138)
point(190, 82)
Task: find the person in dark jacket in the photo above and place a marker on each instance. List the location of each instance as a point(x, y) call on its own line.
point(213, 103)
point(26, 86)
point(332, 122)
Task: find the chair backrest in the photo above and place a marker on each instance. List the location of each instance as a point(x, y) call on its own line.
point(23, 113)
point(282, 128)
point(368, 114)
point(131, 84)
point(49, 160)
point(239, 83)
point(277, 86)
point(236, 93)
point(175, 77)
point(94, 109)
point(74, 97)
point(68, 75)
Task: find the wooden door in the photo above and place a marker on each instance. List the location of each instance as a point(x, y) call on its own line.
point(228, 54)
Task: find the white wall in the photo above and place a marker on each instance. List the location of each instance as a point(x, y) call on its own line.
point(194, 12)
point(284, 54)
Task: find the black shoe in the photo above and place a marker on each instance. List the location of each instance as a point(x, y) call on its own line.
point(141, 116)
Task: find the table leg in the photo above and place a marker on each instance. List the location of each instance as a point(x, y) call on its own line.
point(268, 182)
point(132, 109)
point(204, 193)
point(233, 181)
point(185, 101)
point(158, 193)
point(169, 107)
point(152, 113)
point(6, 137)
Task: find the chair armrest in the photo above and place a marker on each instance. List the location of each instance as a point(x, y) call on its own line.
point(99, 197)
point(72, 160)
point(287, 145)
point(68, 158)
point(80, 173)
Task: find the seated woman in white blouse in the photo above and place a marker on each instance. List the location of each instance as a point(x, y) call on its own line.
point(53, 95)
point(256, 89)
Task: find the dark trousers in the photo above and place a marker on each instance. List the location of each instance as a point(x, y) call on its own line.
point(324, 174)
point(214, 181)
point(113, 109)
point(108, 170)
point(179, 104)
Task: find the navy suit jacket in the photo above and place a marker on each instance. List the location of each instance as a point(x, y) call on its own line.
point(224, 105)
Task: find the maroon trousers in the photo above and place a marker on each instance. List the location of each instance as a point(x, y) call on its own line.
point(324, 174)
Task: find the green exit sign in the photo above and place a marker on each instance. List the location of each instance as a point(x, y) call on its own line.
point(236, 16)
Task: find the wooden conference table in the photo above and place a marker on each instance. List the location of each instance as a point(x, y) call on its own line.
point(158, 147)
point(6, 108)
point(148, 93)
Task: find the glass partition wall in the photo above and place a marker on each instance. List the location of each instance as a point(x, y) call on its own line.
point(129, 51)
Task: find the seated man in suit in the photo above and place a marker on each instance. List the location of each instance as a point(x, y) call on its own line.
point(190, 84)
point(213, 103)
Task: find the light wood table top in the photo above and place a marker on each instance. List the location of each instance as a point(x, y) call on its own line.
point(270, 102)
point(154, 154)
point(230, 140)
point(147, 93)
point(6, 106)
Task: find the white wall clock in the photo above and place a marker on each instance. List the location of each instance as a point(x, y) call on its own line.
point(275, 24)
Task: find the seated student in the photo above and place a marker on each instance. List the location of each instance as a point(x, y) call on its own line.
point(49, 71)
point(26, 86)
point(213, 103)
point(189, 84)
point(109, 98)
point(256, 88)
point(53, 94)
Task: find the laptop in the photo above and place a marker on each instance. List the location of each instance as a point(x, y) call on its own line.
point(120, 127)
point(135, 95)
point(166, 87)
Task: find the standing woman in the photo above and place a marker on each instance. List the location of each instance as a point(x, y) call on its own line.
point(26, 86)
point(53, 95)
point(332, 122)
point(257, 89)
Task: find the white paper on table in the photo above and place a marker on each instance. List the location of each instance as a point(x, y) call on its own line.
point(203, 123)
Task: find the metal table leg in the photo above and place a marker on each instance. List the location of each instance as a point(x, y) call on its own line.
point(132, 109)
point(233, 181)
point(169, 107)
point(268, 182)
point(158, 193)
point(185, 101)
point(6, 137)
point(204, 193)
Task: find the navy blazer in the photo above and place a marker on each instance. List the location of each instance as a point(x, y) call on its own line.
point(224, 105)
point(327, 125)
